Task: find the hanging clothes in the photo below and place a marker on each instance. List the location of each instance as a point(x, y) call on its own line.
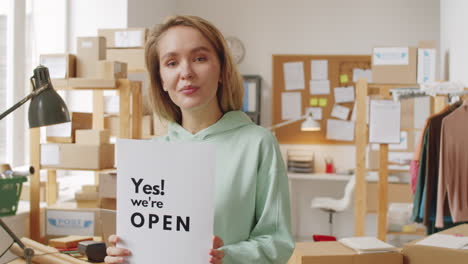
point(432, 172)
point(453, 167)
point(414, 164)
point(420, 180)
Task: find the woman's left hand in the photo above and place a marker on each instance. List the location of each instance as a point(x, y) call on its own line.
point(216, 254)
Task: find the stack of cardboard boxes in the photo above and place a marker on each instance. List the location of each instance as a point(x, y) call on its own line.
point(404, 65)
point(128, 45)
point(412, 253)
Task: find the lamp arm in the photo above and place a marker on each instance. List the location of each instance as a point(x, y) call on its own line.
point(12, 235)
point(288, 122)
point(35, 92)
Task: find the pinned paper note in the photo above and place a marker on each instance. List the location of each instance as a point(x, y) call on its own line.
point(323, 102)
point(344, 94)
point(294, 75)
point(344, 78)
point(315, 111)
point(291, 105)
point(340, 130)
point(319, 87)
point(384, 124)
point(319, 69)
point(361, 73)
point(313, 101)
point(340, 112)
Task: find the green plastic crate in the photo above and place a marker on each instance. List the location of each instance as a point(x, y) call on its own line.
point(10, 191)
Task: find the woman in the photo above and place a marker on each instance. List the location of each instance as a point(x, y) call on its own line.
point(195, 85)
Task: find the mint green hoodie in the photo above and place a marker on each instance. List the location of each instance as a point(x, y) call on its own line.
point(252, 209)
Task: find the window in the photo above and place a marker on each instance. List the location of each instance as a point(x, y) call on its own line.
point(4, 7)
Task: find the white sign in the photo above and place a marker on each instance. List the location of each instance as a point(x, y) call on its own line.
point(62, 223)
point(384, 124)
point(426, 65)
point(390, 56)
point(165, 202)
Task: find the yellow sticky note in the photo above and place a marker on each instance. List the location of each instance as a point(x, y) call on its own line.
point(344, 78)
point(323, 102)
point(313, 101)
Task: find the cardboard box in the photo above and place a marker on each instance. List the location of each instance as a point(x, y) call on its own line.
point(90, 50)
point(113, 124)
point(60, 65)
point(74, 156)
point(112, 70)
point(65, 133)
point(416, 254)
point(125, 37)
point(92, 137)
point(135, 58)
point(108, 224)
point(108, 185)
point(68, 241)
point(108, 203)
point(66, 219)
point(25, 191)
point(394, 65)
point(90, 188)
point(397, 193)
point(336, 253)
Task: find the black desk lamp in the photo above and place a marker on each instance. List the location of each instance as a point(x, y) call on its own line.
point(46, 108)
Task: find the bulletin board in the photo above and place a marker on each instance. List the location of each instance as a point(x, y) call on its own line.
point(340, 68)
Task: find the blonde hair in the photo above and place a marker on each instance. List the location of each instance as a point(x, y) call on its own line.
point(230, 90)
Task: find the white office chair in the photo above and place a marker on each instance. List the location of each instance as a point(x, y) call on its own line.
point(331, 205)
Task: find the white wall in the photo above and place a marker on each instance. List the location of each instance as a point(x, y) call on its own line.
point(454, 39)
point(270, 27)
point(144, 13)
point(86, 16)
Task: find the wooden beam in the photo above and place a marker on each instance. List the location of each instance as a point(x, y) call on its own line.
point(383, 193)
point(98, 109)
point(51, 189)
point(124, 92)
point(136, 110)
point(34, 191)
point(361, 143)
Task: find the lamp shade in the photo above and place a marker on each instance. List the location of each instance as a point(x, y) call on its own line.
point(310, 125)
point(47, 107)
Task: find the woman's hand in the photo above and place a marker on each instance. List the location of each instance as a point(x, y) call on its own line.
point(115, 254)
point(216, 254)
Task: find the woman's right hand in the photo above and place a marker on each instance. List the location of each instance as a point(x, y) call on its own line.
point(115, 254)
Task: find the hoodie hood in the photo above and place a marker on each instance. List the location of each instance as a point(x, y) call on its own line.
point(230, 121)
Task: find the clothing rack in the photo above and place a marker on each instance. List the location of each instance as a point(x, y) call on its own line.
point(412, 92)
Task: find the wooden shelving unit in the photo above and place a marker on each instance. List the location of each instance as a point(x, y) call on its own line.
point(363, 89)
point(130, 117)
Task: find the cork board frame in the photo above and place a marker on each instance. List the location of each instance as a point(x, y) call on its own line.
point(337, 65)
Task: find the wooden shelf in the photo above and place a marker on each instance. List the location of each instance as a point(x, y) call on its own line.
point(74, 169)
point(130, 123)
